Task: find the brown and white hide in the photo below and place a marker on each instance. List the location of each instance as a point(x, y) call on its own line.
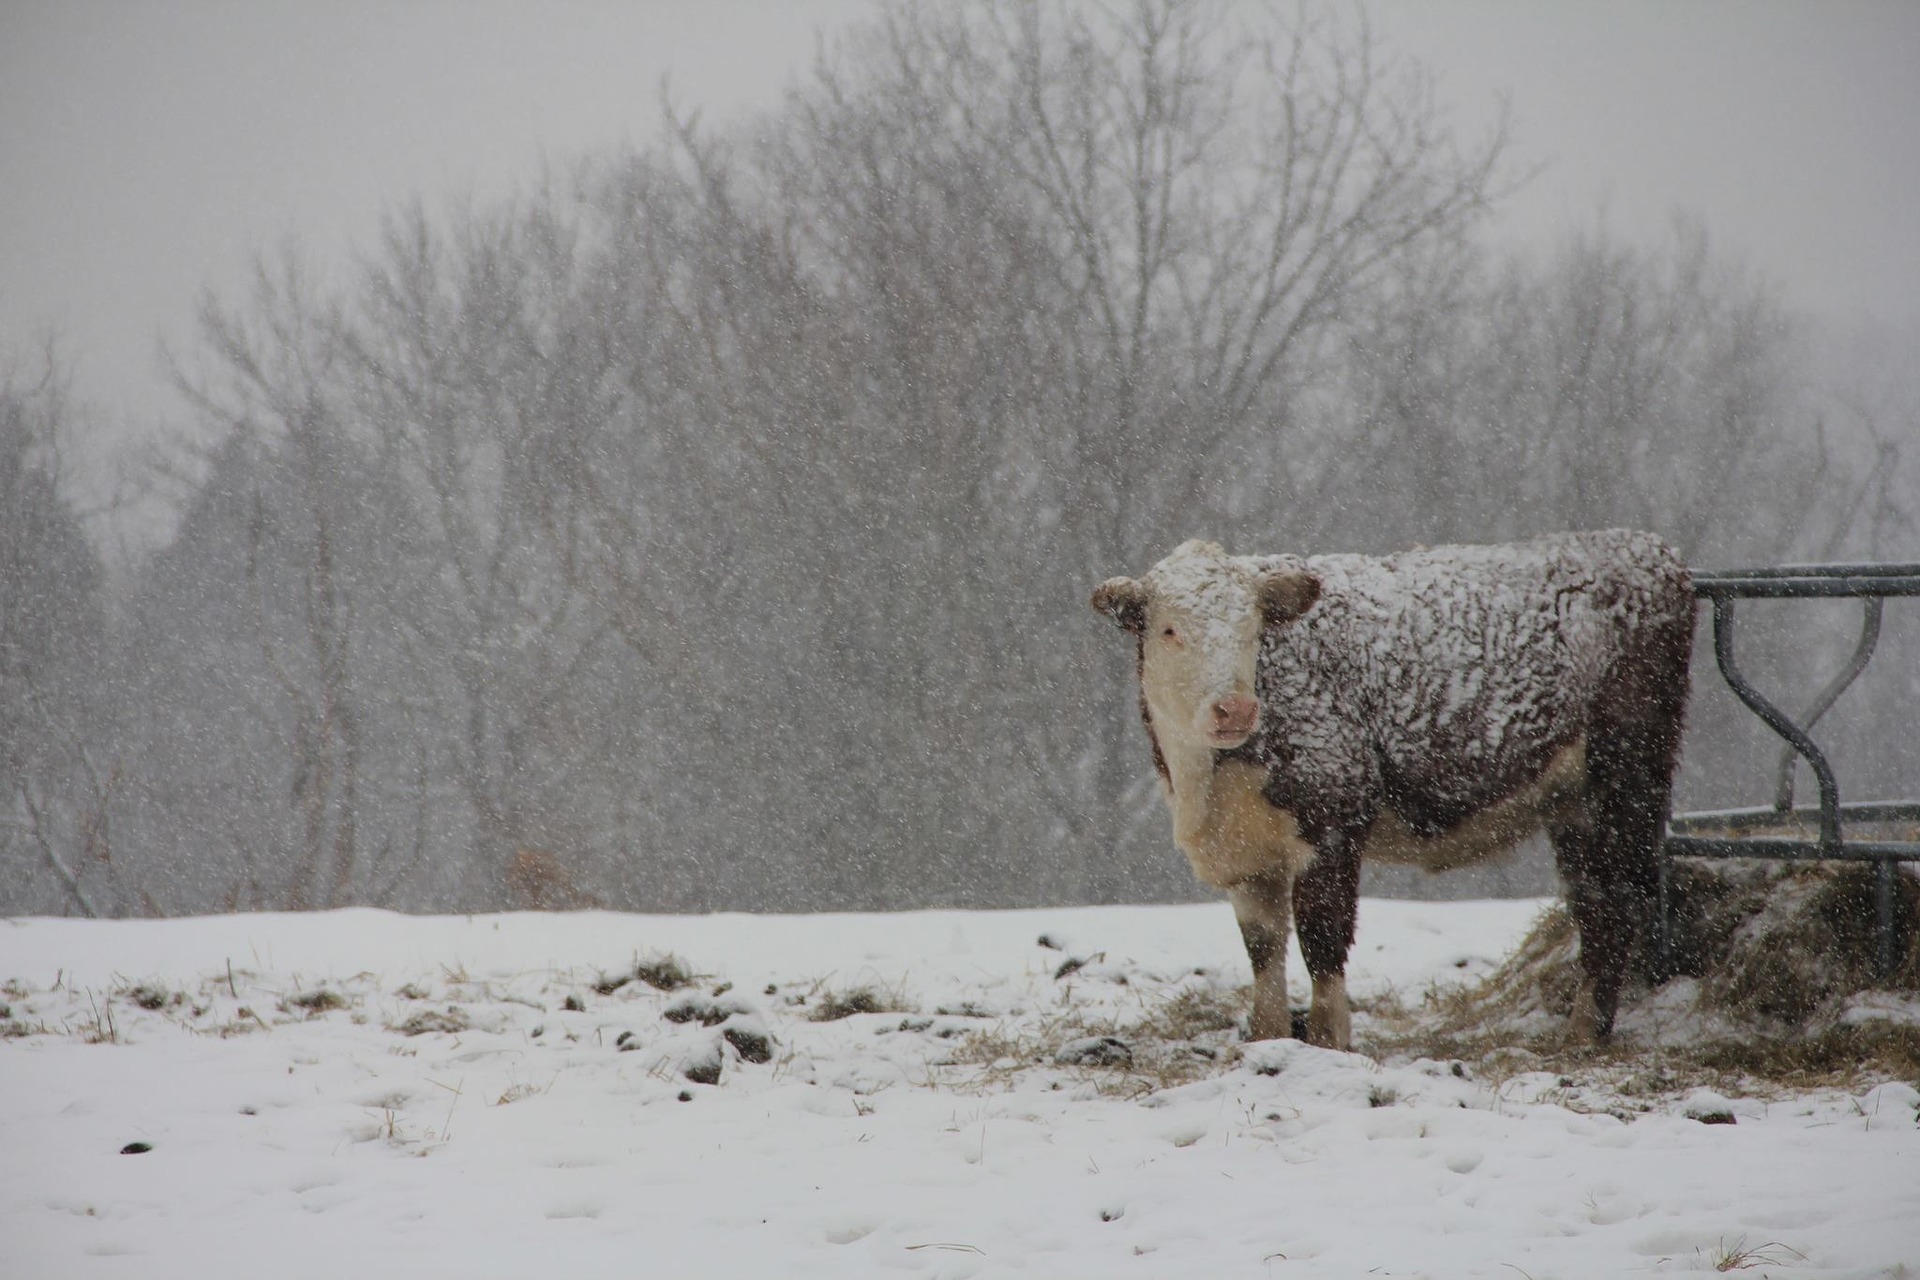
point(1433, 707)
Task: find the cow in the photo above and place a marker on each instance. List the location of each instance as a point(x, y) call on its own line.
point(1431, 707)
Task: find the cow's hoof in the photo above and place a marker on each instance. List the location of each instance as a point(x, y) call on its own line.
point(1293, 1026)
point(1585, 1024)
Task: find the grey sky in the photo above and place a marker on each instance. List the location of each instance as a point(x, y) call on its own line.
point(147, 150)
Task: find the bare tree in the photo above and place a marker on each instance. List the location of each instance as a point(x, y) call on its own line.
point(713, 527)
point(276, 365)
point(481, 377)
point(288, 566)
point(1657, 386)
point(56, 785)
point(1214, 193)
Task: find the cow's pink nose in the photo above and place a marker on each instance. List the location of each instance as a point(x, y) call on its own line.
point(1235, 715)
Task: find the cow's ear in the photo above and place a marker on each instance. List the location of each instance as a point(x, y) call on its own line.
point(1125, 601)
point(1285, 594)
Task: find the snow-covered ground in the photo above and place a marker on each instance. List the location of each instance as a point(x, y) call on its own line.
point(360, 1094)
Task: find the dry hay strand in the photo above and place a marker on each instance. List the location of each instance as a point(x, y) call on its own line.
point(1807, 942)
point(1769, 961)
point(1192, 1013)
point(663, 971)
point(1170, 1040)
point(835, 1005)
point(1848, 1053)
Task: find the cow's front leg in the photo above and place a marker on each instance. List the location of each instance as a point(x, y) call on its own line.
point(1263, 905)
point(1326, 899)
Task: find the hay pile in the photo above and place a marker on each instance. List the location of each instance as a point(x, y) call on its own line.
point(1774, 970)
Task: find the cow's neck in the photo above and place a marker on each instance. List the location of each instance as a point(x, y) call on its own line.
point(1224, 822)
point(1190, 767)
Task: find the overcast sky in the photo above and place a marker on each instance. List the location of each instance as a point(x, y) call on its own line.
point(148, 149)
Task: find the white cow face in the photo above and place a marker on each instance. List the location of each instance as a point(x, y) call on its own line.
point(1199, 614)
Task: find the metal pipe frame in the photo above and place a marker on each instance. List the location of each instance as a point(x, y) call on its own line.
point(1744, 833)
point(1823, 702)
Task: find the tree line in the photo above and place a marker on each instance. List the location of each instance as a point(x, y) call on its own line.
point(711, 527)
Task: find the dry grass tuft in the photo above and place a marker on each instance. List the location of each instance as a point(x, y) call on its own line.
point(1737, 1256)
point(664, 972)
point(835, 1005)
point(1171, 1040)
point(1847, 1054)
point(1541, 976)
point(1808, 941)
point(608, 983)
point(1774, 955)
point(1192, 1013)
point(312, 1003)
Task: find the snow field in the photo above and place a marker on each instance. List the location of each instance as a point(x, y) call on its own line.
point(510, 1135)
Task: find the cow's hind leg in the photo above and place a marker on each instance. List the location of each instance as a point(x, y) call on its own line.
point(1593, 901)
point(1609, 858)
point(1610, 854)
point(1326, 899)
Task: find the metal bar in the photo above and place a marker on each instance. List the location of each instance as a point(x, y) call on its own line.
point(1883, 908)
point(1862, 652)
point(1805, 588)
point(1721, 833)
point(1852, 811)
point(1777, 849)
point(1867, 570)
point(1777, 720)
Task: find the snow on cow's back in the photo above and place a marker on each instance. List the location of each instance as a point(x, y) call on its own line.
point(1480, 648)
point(1450, 608)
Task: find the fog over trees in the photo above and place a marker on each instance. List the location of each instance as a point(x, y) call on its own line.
point(711, 526)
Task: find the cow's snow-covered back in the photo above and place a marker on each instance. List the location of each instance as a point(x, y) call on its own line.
point(1443, 678)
